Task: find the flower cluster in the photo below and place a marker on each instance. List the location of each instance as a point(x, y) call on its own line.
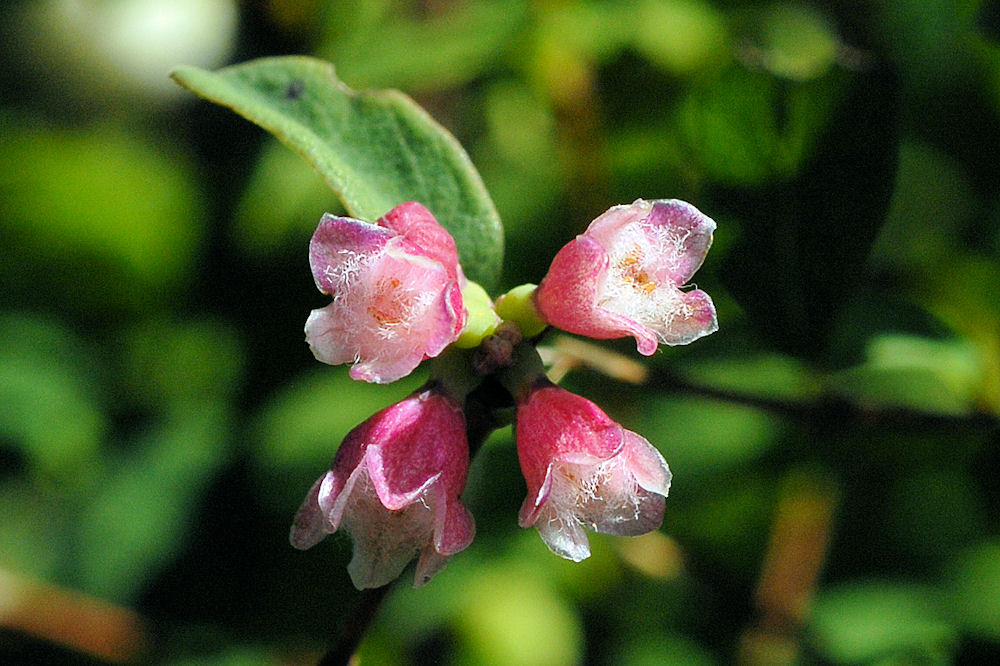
point(399, 297)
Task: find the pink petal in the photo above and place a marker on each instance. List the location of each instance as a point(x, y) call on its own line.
point(677, 233)
point(395, 302)
point(567, 297)
point(422, 442)
point(538, 494)
point(454, 529)
point(554, 424)
point(341, 251)
point(384, 541)
point(692, 316)
point(418, 225)
point(310, 524)
point(646, 464)
point(564, 537)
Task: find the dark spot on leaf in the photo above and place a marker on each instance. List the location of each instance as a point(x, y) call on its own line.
point(295, 90)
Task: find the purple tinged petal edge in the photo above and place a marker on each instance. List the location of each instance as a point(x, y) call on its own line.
point(335, 239)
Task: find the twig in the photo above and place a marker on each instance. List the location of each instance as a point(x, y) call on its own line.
point(831, 409)
point(795, 555)
point(66, 617)
point(355, 626)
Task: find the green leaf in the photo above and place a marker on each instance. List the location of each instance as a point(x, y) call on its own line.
point(376, 149)
point(99, 202)
point(935, 500)
point(791, 41)
point(141, 516)
point(174, 363)
point(930, 185)
point(34, 539)
point(50, 406)
point(747, 128)
point(905, 371)
point(533, 609)
point(669, 648)
point(278, 206)
point(698, 34)
point(975, 589)
point(861, 622)
point(548, 628)
point(765, 375)
point(699, 436)
point(468, 40)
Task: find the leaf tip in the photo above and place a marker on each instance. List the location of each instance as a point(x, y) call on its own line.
point(181, 74)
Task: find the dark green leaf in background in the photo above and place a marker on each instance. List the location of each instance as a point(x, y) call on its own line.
point(279, 204)
point(95, 216)
point(141, 515)
point(807, 238)
point(974, 579)
point(51, 410)
point(138, 517)
point(376, 149)
point(467, 42)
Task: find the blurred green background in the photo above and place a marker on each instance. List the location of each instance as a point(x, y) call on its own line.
point(834, 445)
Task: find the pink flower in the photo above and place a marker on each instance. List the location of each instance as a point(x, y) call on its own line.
point(584, 470)
point(623, 275)
point(394, 487)
point(396, 288)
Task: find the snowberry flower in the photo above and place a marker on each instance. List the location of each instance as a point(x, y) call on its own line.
point(394, 487)
point(623, 275)
point(396, 288)
point(583, 469)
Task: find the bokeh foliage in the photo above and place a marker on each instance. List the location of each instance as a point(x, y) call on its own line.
point(834, 445)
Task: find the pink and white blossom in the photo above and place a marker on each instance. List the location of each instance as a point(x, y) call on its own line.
point(394, 486)
point(396, 288)
point(583, 469)
point(623, 276)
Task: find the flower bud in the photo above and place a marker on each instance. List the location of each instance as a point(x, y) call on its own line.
point(394, 486)
point(583, 469)
point(623, 275)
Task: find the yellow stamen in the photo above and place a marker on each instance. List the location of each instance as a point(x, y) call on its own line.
point(631, 272)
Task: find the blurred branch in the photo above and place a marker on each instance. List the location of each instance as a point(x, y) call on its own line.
point(795, 555)
point(66, 617)
point(566, 354)
point(828, 408)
